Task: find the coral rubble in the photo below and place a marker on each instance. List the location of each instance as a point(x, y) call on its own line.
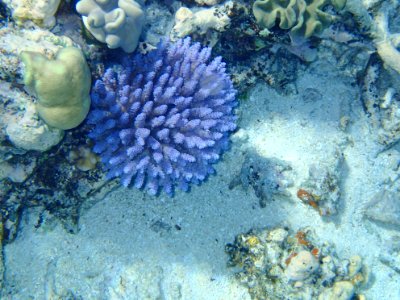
point(280, 264)
point(201, 22)
point(39, 11)
point(322, 190)
point(269, 178)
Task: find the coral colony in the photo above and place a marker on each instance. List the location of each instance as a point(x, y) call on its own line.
point(162, 119)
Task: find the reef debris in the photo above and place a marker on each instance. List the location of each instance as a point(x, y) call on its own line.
point(281, 264)
point(321, 190)
point(269, 177)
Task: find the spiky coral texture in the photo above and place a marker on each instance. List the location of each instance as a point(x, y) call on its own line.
point(162, 119)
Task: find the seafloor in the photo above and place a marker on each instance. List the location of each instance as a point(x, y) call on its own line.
point(125, 244)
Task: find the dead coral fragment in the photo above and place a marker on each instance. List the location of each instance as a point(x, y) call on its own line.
point(83, 158)
point(269, 177)
point(40, 12)
point(321, 190)
point(301, 266)
point(280, 264)
point(207, 22)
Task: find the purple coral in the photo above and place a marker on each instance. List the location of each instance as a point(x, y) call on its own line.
point(162, 119)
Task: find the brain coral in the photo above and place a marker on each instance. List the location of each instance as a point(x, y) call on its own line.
point(162, 119)
point(304, 18)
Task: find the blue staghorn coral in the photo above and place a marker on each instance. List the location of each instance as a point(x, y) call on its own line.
point(162, 119)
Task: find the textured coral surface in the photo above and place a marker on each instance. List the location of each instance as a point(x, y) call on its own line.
point(163, 119)
point(116, 23)
point(303, 18)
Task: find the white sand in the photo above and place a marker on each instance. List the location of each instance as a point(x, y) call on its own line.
point(120, 254)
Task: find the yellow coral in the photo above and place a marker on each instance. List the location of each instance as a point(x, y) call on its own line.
point(61, 85)
point(304, 18)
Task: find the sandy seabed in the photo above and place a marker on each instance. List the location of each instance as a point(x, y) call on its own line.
point(134, 246)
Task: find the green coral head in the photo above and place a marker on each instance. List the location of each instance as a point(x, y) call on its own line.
point(61, 85)
point(303, 18)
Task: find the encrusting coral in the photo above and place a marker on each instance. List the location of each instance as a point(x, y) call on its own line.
point(303, 18)
point(162, 119)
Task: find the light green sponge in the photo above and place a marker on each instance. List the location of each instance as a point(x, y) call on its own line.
point(61, 86)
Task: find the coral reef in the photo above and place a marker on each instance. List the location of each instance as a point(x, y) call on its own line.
point(16, 172)
point(268, 177)
point(302, 18)
point(280, 264)
point(158, 24)
point(40, 12)
point(61, 85)
point(21, 129)
point(56, 186)
point(164, 118)
point(116, 23)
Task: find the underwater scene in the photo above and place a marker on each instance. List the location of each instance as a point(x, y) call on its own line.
point(200, 149)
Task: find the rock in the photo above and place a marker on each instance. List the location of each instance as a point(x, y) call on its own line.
point(301, 266)
point(321, 190)
point(341, 290)
point(30, 133)
point(20, 123)
point(384, 209)
point(269, 177)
